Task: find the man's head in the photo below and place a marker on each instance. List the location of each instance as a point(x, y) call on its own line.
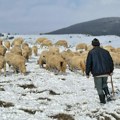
point(95, 42)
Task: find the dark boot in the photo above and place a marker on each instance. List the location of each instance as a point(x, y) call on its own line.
point(102, 98)
point(107, 93)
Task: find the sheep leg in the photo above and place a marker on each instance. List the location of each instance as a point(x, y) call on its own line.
point(5, 69)
point(71, 68)
point(56, 71)
point(15, 70)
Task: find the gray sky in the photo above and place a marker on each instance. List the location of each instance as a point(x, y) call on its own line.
point(38, 16)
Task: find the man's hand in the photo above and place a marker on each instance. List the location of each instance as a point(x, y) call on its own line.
point(111, 74)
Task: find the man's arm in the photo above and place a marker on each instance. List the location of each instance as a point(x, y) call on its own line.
point(88, 64)
point(111, 64)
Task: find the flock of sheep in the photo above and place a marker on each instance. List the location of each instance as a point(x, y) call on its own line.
point(17, 52)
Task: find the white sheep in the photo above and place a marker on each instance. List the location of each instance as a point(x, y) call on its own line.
point(17, 61)
point(2, 65)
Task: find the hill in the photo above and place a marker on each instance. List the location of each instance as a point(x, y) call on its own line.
point(102, 26)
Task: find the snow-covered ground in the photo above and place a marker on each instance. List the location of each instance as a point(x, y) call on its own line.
point(40, 95)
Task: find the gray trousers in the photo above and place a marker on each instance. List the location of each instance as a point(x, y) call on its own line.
point(100, 84)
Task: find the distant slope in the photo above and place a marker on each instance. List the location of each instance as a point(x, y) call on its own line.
point(103, 26)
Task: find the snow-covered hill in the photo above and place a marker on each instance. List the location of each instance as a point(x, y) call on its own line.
point(41, 95)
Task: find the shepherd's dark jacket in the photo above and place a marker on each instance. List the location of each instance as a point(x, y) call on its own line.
point(99, 62)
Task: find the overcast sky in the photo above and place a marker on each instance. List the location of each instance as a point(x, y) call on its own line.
point(39, 16)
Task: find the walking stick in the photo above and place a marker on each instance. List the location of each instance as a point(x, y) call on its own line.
point(112, 86)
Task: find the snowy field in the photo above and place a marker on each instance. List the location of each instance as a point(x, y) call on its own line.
point(41, 95)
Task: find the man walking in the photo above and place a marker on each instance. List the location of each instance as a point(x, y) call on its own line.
point(100, 64)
